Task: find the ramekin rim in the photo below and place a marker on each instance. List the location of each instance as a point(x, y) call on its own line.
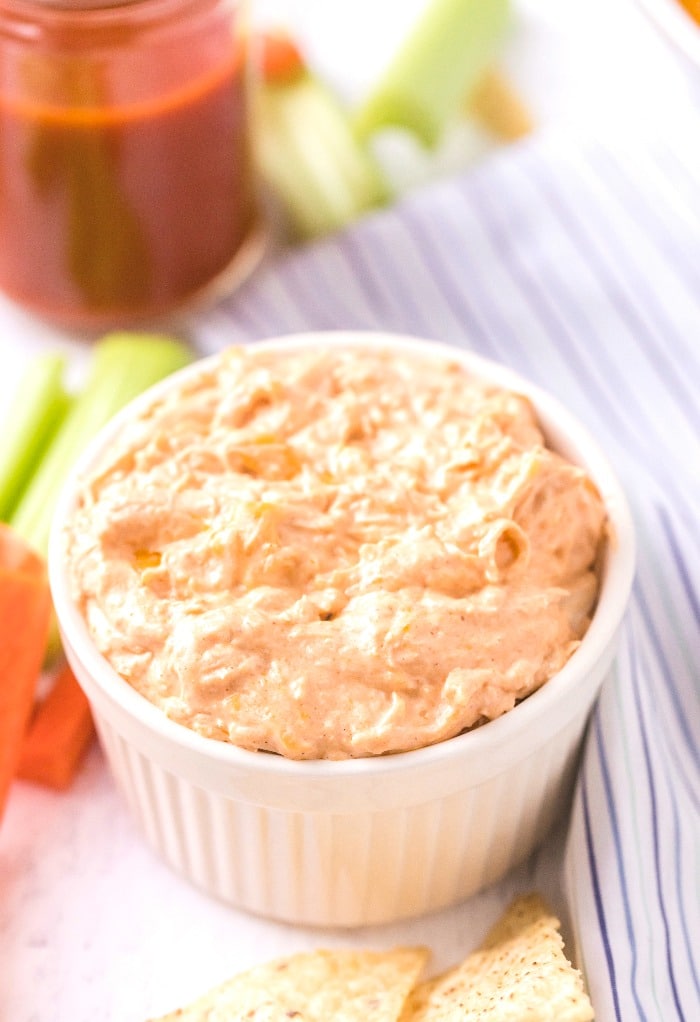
point(610, 608)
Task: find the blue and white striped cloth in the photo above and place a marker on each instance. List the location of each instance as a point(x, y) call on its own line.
point(581, 269)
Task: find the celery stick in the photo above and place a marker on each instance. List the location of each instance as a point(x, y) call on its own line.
point(439, 63)
point(35, 413)
point(308, 156)
point(122, 365)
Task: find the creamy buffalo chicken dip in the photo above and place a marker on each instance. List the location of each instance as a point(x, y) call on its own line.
point(335, 553)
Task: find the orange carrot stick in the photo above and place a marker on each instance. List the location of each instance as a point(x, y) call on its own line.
point(281, 60)
point(25, 615)
point(58, 736)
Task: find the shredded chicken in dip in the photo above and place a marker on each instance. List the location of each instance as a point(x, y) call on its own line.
point(335, 553)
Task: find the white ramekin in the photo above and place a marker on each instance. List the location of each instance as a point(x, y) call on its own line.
point(360, 841)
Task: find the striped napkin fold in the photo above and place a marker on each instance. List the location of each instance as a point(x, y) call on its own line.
point(579, 266)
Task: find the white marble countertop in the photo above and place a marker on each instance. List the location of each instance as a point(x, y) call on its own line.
point(92, 926)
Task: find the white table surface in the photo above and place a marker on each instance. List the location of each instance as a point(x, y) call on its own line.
point(92, 925)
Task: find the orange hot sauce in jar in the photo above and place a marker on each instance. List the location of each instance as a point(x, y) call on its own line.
point(125, 179)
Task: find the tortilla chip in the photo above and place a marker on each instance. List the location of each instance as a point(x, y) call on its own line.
point(316, 986)
point(519, 974)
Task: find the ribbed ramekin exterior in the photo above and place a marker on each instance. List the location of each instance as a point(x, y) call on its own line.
point(346, 869)
point(364, 843)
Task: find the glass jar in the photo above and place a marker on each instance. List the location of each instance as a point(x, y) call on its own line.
point(125, 177)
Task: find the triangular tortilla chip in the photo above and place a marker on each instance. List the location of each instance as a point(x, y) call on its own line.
point(519, 974)
point(317, 986)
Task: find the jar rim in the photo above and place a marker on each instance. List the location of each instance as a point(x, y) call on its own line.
point(25, 16)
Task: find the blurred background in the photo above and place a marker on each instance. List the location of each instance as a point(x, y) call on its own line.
point(585, 68)
point(597, 69)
